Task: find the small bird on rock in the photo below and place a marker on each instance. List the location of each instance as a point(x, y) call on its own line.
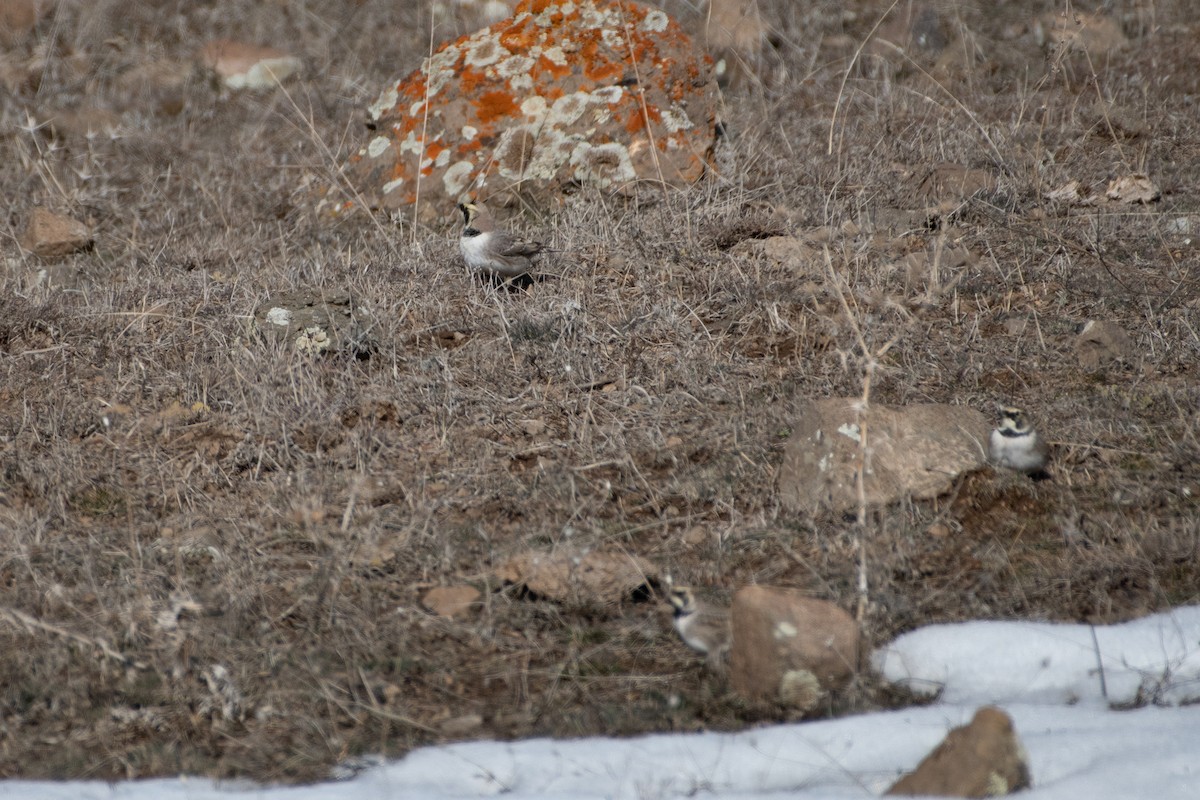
point(490, 251)
point(702, 626)
point(1016, 445)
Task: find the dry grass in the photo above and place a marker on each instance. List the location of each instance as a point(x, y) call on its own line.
point(233, 589)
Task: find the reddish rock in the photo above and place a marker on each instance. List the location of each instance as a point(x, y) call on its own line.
point(17, 18)
point(51, 235)
point(596, 92)
point(735, 33)
point(1077, 31)
point(1101, 342)
point(983, 759)
point(915, 451)
point(788, 648)
point(451, 601)
point(246, 66)
point(596, 576)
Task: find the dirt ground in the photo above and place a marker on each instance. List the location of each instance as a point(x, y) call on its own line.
point(214, 549)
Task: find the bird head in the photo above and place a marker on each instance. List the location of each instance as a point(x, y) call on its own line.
point(1014, 419)
point(682, 600)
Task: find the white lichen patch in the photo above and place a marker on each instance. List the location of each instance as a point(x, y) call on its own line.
point(602, 165)
point(390, 186)
point(609, 94)
point(457, 177)
point(613, 39)
point(592, 17)
point(546, 18)
point(411, 144)
point(655, 21)
point(377, 146)
point(279, 316)
point(568, 108)
point(556, 56)
point(515, 66)
point(534, 107)
point(313, 340)
point(439, 69)
point(799, 689)
point(443, 158)
point(521, 83)
point(784, 630)
point(469, 132)
point(386, 102)
point(483, 52)
point(850, 431)
point(675, 119)
point(553, 150)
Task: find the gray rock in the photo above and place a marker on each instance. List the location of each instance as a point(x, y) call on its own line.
point(314, 324)
point(914, 451)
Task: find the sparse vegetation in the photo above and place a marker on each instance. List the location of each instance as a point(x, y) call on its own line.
point(214, 548)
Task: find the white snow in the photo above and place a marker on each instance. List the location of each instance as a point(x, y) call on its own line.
point(1047, 677)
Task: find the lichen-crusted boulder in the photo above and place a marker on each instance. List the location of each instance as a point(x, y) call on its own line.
point(561, 94)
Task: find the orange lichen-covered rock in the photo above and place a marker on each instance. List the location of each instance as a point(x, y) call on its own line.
point(563, 93)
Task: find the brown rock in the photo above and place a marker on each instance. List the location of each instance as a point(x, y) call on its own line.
point(451, 601)
point(734, 32)
point(84, 122)
point(1094, 34)
point(918, 450)
point(983, 759)
point(456, 727)
point(561, 575)
point(51, 235)
point(246, 66)
point(952, 183)
point(1100, 343)
point(17, 18)
point(545, 99)
point(1134, 189)
point(788, 648)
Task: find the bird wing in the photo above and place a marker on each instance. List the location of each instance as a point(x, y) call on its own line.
point(510, 246)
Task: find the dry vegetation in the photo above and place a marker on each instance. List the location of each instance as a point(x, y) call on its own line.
point(232, 588)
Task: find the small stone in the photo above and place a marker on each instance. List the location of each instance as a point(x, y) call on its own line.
point(1133, 189)
point(594, 576)
point(1100, 343)
point(938, 530)
point(451, 601)
point(788, 648)
point(456, 727)
point(787, 251)
point(982, 759)
point(49, 235)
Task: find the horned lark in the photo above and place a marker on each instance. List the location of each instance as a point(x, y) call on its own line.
point(1016, 445)
point(490, 251)
point(702, 627)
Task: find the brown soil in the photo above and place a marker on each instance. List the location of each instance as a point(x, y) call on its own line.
point(214, 548)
